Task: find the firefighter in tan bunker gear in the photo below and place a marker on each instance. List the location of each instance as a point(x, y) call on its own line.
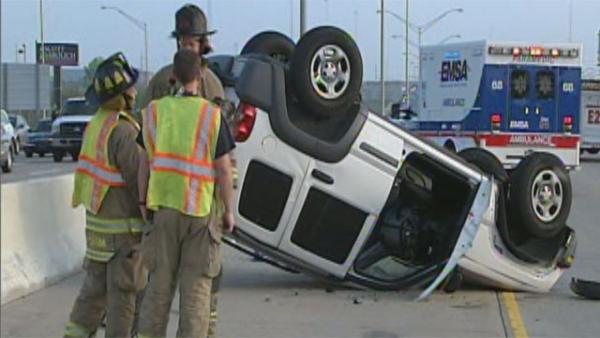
point(106, 185)
point(188, 150)
point(191, 32)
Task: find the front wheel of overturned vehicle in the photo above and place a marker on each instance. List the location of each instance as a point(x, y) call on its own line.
point(540, 195)
point(326, 71)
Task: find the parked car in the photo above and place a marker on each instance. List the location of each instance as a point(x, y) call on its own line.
point(21, 129)
point(39, 140)
point(68, 128)
point(7, 149)
point(10, 130)
point(329, 188)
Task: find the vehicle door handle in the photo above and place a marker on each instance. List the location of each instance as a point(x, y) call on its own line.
point(321, 176)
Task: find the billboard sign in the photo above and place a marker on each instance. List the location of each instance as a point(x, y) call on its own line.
point(58, 54)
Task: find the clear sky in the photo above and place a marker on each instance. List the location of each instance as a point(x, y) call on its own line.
point(101, 32)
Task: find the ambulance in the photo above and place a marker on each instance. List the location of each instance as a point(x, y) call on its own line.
point(511, 99)
point(590, 116)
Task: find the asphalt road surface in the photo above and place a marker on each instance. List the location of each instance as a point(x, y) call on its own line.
point(260, 301)
point(37, 167)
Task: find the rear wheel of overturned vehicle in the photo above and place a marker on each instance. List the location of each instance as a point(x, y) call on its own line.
point(540, 195)
point(326, 71)
point(58, 156)
point(274, 44)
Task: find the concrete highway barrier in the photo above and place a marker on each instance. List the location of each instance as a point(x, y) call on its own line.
point(43, 239)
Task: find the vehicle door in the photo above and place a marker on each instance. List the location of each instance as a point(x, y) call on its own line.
point(342, 201)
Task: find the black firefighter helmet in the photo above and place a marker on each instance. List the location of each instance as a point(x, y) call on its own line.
point(191, 21)
point(112, 78)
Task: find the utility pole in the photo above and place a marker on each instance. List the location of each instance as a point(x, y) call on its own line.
point(43, 59)
point(406, 78)
point(382, 57)
point(302, 17)
point(570, 20)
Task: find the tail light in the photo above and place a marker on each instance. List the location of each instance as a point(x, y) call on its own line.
point(496, 122)
point(568, 124)
point(245, 122)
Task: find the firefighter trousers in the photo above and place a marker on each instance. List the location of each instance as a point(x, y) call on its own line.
point(184, 249)
point(103, 292)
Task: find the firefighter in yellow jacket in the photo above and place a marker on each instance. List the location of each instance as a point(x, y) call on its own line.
point(188, 150)
point(106, 185)
point(191, 32)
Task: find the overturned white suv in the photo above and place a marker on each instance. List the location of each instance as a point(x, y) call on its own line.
point(328, 188)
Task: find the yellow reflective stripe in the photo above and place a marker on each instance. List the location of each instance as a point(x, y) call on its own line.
point(113, 225)
point(101, 256)
point(75, 330)
point(117, 231)
point(100, 220)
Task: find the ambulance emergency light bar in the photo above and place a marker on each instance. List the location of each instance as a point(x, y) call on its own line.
point(534, 51)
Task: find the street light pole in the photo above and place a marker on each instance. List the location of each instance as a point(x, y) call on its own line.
point(420, 30)
point(382, 58)
point(302, 17)
point(139, 24)
point(406, 78)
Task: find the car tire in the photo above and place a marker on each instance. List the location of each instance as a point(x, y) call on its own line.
point(7, 166)
point(274, 44)
point(324, 85)
point(75, 156)
point(58, 156)
point(16, 146)
point(41, 154)
point(486, 162)
point(28, 154)
point(540, 195)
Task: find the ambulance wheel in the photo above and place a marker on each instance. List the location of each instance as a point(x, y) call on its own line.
point(449, 144)
point(274, 44)
point(326, 71)
point(486, 162)
point(540, 195)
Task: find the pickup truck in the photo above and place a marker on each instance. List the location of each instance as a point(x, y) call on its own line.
point(68, 128)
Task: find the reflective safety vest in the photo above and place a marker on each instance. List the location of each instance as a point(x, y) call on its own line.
point(180, 133)
point(94, 176)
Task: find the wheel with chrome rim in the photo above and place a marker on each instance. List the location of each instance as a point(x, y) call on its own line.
point(326, 71)
point(540, 195)
point(547, 195)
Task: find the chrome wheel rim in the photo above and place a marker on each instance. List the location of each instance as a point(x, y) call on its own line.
point(330, 72)
point(547, 196)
